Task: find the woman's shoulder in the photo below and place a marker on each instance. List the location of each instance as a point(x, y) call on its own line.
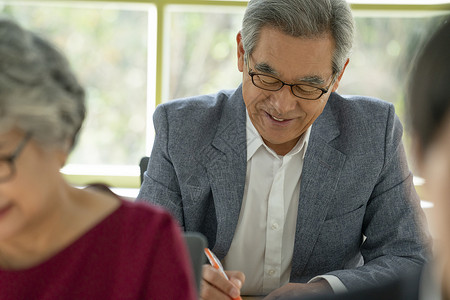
point(134, 216)
point(141, 211)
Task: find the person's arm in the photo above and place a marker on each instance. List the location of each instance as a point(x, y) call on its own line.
point(393, 221)
point(336, 285)
point(294, 290)
point(160, 185)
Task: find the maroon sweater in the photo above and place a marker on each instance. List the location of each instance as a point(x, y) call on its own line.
point(137, 252)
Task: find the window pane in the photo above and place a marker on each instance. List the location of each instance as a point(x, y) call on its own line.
point(202, 47)
point(383, 54)
point(108, 48)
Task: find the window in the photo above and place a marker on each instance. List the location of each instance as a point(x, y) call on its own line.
point(202, 49)
point(133, 55)
point(385, 46)
point(112, 50)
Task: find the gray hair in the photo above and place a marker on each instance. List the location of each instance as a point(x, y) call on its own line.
point(301, 18)
point(38, 92)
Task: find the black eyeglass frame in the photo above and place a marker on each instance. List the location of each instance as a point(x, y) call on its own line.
point(323, 90)
point(10, 159)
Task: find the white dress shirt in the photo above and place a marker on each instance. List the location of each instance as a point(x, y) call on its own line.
point(263, 243)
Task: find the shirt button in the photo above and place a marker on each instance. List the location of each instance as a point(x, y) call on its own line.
point(271, 272)
point(275, 226)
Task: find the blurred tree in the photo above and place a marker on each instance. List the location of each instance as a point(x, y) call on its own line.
point(107, 48)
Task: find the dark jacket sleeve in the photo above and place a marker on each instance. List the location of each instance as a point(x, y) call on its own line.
point(160, 185)
point(393, 224)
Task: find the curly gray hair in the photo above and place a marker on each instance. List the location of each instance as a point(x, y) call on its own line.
point(39, 93)
point(301, 18)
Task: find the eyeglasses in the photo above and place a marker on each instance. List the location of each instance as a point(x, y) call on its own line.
point(271, 83)
point(7, 167)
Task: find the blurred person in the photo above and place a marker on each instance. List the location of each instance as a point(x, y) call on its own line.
point(58, 241)
point(284, 176)
point(428, 102)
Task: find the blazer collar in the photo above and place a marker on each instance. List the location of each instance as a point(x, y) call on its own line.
point(320, 176)
point(225, 163)
point(326, 127)
point(231, 132)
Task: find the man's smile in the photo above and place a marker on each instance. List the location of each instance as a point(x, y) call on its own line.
point(276, 119)
point(279, 121)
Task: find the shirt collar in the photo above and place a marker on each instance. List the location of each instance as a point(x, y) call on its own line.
point(255, 141)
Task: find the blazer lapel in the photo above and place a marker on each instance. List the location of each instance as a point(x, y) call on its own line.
point(321, 171)
point(225, 160)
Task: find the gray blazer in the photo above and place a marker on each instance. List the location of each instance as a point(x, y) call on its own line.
point(355, 182)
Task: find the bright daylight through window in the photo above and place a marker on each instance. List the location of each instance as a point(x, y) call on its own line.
point(112, 46)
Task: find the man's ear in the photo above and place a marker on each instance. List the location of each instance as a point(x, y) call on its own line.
point(240, 52)
point(338, 80)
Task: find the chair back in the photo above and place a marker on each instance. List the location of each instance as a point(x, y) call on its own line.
point(143, 165)
point(196, 244)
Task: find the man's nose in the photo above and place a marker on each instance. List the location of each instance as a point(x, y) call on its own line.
point(284, 101)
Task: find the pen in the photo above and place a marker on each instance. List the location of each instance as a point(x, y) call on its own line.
point(215, 262)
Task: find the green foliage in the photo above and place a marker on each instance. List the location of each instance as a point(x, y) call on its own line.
point(108, 50)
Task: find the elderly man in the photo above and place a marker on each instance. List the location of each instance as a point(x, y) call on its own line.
point(296, 188)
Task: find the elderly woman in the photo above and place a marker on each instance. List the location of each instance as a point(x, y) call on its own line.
point(57, 241)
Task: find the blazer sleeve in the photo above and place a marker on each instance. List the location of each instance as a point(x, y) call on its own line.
point(393, 223)
point(160, 184)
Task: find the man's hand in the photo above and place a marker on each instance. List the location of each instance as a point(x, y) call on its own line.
point(298, 289)
point(215, 286)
